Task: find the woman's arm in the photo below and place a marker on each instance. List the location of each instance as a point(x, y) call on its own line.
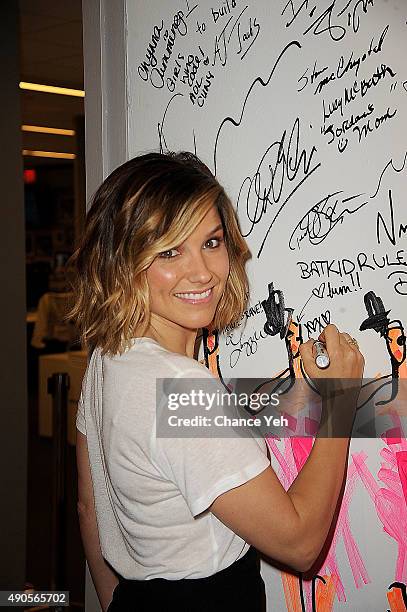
point(292, 526)
point(103, 577)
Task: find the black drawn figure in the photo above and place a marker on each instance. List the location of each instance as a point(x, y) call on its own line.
point(279, 321)
point(397, 596)
point(395, 338)
point(210, 341)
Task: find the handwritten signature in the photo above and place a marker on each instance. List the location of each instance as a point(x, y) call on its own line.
point(222, 43)
point(327, 20)
point(321, 219)
point(247, 347)
point(285, 161)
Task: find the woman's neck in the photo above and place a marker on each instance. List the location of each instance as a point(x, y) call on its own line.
point(172, 337)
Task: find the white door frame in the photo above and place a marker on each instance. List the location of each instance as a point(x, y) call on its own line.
point(104, 50)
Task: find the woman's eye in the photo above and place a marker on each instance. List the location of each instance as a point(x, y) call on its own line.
point(167, 254)
point(214, 242)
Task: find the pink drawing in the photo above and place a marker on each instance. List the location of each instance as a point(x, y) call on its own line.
point(290, 460)
point(390, 500)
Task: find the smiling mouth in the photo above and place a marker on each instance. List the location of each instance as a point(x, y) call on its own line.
point(201, 296)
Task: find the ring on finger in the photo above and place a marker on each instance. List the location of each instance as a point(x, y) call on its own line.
point(353, 342)
point(349, 339)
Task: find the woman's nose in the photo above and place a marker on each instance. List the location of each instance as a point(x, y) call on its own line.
point(198, 270)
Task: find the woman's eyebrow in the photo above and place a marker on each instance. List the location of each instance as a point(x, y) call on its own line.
point(220, 226)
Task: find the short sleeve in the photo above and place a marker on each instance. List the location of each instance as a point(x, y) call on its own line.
point(204, 468)
point(80, 416)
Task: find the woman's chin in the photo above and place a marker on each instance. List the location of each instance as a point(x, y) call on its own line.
point(197, 322)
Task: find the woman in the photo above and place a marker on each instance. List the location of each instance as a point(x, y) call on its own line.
point(173, 523)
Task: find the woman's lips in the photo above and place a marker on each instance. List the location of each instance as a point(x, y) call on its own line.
point(194, 297)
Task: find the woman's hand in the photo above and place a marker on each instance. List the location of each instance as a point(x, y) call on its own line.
point(346, 360)
point(345, 370)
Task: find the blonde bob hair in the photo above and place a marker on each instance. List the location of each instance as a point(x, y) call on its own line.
point(146, 206)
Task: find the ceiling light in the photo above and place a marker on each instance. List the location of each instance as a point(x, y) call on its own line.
point(53, 154)
point(64, 91)
point(47, 130)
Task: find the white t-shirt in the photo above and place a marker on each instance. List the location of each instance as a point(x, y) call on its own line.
point(152, 494)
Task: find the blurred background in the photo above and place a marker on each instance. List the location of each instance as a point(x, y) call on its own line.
point(49, 61)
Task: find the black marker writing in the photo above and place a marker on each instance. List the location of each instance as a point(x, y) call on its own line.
point(391, 229)
point(285, 160)
point(322, 218)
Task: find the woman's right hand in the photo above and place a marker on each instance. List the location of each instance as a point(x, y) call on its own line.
point(346, 361)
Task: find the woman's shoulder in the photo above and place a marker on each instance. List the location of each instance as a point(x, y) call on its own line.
point(147, 358)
